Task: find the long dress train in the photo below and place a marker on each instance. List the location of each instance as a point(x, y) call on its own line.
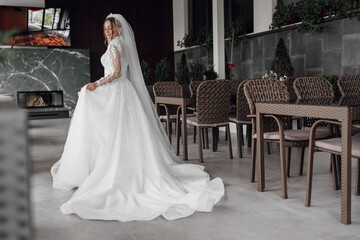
point(112, 156)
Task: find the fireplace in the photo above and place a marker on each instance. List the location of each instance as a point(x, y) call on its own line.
point(40, 99)
point(43, 104)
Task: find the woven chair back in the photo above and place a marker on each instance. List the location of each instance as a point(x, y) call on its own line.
point(350, 89)
point(242, 107)
point(168, 89)
point(267, 91)
point(212, 102)
point(234, 84)
point(313, 90)
point(289, 82)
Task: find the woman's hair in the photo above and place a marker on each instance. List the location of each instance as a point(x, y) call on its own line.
point(113, 26)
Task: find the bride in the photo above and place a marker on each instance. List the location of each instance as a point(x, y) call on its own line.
point(117, 154)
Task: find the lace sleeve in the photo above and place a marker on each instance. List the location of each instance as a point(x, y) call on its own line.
point(115, 60)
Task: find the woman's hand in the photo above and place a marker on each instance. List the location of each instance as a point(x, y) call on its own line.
point(91, 86)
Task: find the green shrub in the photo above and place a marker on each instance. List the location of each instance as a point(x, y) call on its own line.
point(281, 64)
point(146, 72)
point(310, 13)
point(182, 73)
point(197, 71)
point(210, 74)
point(162, 70)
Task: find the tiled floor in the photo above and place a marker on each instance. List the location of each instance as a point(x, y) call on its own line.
point(243, 213)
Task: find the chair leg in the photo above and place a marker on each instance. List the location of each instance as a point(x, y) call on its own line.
point(207, 137)
point(268, 148)
point(253, 159)
point(180, 131)
point(334, 172)
point(215, 135)
point(357, 183)
point(338, 168)
point(194, 134)
point(177, 139)
point(226, 136)
point(249, 134)
point(199, 130)
point(288, 160)
point(301, 170)
point(239, 141)
point(203, 138)
point(283, 170)
point(229, 141)
point(168, 130)
point(298, 123)
point(309, 174)
point(241, 134)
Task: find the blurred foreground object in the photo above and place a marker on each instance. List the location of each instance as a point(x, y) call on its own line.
point(15, 220)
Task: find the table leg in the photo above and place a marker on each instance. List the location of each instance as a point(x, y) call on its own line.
point(346, 171)
point(184, 131)
point(260, 151)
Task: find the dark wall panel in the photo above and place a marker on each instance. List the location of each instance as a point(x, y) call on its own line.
point(151, 21)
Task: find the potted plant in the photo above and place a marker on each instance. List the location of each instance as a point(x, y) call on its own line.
point(281, 64)
point(197, 71)
point(182, 73)
point(146, 71)
point(283, 15)
point(162, 70)
point(210, 74)
point(238, 28)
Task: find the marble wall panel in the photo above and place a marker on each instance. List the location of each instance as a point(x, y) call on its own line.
point(43, 70)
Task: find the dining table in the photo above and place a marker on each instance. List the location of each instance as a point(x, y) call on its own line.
point(183, 102)
point(342, 113)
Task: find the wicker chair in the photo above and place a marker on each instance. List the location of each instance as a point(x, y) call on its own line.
point(193, 86)
point(241, 117)
point(350, 89)
point(274, 91)
point(312, 90)
point(333, 146)
point(289, 82)
point(212, 106)
point(168, 113)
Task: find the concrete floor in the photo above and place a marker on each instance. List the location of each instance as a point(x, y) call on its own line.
point(243, 213)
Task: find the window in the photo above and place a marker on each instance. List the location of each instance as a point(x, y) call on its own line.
point(243, 9)
point(200, 14)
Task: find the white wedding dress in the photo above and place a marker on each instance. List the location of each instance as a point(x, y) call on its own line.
point(117, 162)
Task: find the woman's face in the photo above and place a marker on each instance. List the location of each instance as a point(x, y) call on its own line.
point(108, 30)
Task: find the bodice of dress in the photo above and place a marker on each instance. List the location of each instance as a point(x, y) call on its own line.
point(110, 62)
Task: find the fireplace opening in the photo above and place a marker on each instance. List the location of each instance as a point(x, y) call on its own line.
point(40, 99)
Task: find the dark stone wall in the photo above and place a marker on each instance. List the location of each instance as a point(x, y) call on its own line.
point(335, 50)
